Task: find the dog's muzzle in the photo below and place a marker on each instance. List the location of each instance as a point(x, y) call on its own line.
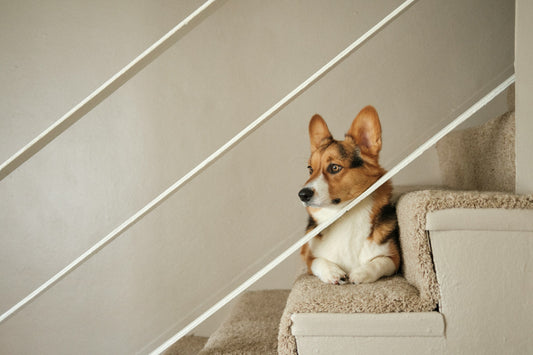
point(306, 194)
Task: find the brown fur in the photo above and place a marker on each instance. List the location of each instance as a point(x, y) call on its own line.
point(307, 256)
point(363, 139)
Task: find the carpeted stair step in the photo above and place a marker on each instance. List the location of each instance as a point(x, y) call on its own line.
point(414, 290)
point(310, 296)
point(252, 326)
point(188, 345)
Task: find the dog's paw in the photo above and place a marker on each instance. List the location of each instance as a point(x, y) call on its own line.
point(335, 276)
point(329, 272)
point(363, 275)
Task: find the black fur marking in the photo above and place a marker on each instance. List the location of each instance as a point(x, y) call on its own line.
point(387, 214)
point(394, 237)
point(311, 224)
point(336, 201)
point(357, 161)
point(342, 151)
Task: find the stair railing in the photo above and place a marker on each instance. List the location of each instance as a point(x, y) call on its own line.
point(126, 73)
point(102, 93)
point(135, 66)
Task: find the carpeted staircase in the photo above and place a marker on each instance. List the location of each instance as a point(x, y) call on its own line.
point(251, 328)
point(188, 345)
point(260, 321)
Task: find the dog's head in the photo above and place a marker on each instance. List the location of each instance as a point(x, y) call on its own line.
point(342, 170)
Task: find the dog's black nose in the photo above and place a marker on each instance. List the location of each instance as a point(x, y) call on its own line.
point(305, 194)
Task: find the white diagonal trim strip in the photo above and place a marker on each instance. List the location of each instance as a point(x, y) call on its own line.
point(97, 96)
point(204, 164)
point(296, 246)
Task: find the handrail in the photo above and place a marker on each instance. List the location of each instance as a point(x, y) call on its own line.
point(207, 162)
point(318, 229)
point(100, 94)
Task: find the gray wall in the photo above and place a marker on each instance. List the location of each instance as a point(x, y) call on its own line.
point(419, 73)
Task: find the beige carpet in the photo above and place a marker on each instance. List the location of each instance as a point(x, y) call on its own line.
point(412, 209)
point(310, 295)
point(252, 326)
point(188, 345)
point(480, 158)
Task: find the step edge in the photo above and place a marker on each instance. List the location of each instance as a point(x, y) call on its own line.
point(407, 324)
point(493, 219)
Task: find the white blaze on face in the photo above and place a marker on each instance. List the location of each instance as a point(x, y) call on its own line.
point(321, 192)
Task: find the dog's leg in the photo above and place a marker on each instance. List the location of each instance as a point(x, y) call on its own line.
point(328, 271)
point(373, 270)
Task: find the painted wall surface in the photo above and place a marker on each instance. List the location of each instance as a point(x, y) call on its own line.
point(419, 72)
point(482, 309)
point(524, 96)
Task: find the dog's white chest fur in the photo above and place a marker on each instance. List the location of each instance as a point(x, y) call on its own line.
point(345, 242)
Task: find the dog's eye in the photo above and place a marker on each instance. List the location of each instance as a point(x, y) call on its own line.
point(310, 169)
point(334, 168)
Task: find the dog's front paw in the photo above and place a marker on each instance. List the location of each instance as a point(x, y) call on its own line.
point(333, 275)
point(328, 272)
point(363, 275)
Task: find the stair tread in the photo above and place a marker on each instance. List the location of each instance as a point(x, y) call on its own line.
point(188, 345)
point(252, 326)
point(310, 295)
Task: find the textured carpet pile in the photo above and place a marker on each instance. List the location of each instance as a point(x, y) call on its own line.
point(480, 158)
point(252, 326)
point(188, 345)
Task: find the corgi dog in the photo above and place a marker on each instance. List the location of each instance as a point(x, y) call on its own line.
point(362, 246)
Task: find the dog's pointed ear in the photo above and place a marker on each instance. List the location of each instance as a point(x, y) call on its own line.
point(318, 132)
point(366, 131)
